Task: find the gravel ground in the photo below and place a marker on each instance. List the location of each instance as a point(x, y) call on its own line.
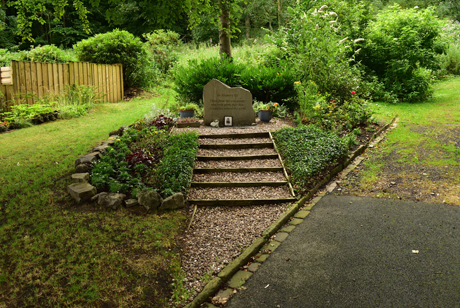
point(238, 163)
point(239, 177)
point(234, 152)
point(264, 192)
point(234, 141)
point(218, 234)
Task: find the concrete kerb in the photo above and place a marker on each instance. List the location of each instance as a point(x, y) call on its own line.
point(214, 285)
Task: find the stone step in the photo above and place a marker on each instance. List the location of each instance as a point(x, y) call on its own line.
point(245, 135)
point(242, 157)
point(238, 184)
point(257, 169)
point(237, 146)
point(239, 202)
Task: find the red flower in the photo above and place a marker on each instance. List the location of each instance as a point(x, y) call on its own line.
point(353, 92)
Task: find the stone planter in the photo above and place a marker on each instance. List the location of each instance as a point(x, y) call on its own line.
point(190, 124)
point(265, 115)
point(187, 113)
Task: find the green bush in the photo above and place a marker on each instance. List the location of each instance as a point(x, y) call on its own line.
point(400, 49)
point(162, 46)
point(175, 169)
point(309, 152)
point(119, 47)
point(6, 57)
point(265, 83)
point(319, 52)
point(47, 53)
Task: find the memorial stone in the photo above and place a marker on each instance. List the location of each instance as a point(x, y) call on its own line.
point(222, 101)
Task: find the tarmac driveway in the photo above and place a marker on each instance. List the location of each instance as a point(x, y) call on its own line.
point(363, 252)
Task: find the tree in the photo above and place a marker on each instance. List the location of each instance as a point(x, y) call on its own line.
point(29, 11)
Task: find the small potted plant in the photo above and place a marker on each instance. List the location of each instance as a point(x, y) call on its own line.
point(188, 110)
point(265, 111)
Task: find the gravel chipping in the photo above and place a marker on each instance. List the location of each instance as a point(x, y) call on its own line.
point(233, 141)
point(217, 236)
point(239, 177)
point(235, 152)
point(238, 163)
point(264, 192)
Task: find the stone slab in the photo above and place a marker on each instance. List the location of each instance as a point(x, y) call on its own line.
point(271, 246)
point(288, 229)
point(296, 221)
point(222, 101)
point(262, 258)
point(302, 214)
point(239, 279)
point(81, 191)
point(80, 177)
point(253, 267)
point(281, 236)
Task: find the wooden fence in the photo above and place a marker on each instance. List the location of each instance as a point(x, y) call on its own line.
point(41, 79)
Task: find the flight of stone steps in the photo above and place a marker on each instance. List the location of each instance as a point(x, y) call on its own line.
point(239, 169)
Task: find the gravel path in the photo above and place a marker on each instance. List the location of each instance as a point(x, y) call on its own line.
point(264, 192)
point(239, 177)
point(218, 234)
point(233, 141)
point(238, 163)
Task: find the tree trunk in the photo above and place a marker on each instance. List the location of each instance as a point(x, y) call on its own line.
point(224, 37)
point(248, 27)
point(280, 14)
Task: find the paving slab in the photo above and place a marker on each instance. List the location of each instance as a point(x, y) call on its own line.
point(363, 252)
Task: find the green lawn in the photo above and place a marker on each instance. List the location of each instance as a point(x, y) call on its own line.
point(55, 253)
point(422, 154)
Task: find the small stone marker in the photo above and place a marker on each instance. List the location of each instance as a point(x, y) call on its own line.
point(222, 101)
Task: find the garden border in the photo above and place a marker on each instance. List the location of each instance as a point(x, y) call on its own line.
point(233, 267)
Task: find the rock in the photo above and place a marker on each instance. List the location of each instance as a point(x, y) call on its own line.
point(83, 168)
point(110, 200)
point(131, 203)
point(173, 202)
point(81, 191)
point(88, 158)
point(102, 148)
point(118, 132)
point(149, 199)
point(3, 128)
point(80, 177)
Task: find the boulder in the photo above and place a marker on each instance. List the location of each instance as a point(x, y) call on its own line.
point(83, 168)
point(149, 199)
point(81, 191)
point(102, 148)
point(111, 201)
point(173, 202)
point(80, 177)
point(88, 158)
point(131, 203)
point(118, 132)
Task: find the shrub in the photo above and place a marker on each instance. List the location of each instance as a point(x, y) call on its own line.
point(162, 45)
point(401, 46)
point(175, 169)
point(47, 53)
point(309, 152)
point(119, 47)
point(318, 52)
point(265, 83)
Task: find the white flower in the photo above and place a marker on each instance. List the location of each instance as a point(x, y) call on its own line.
point(317, 27)
point(358, 40)
point(321, 9)
point(333, 13)
point(341, 41)
point(357, 51)
point(332, 21)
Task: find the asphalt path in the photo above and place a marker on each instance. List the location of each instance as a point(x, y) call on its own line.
point(363, 252)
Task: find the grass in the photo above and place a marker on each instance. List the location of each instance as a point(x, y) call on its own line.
point(426, 138)
point(54, 253)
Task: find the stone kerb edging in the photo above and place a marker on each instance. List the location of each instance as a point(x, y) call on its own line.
point(82, 190)
point(260, 243)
